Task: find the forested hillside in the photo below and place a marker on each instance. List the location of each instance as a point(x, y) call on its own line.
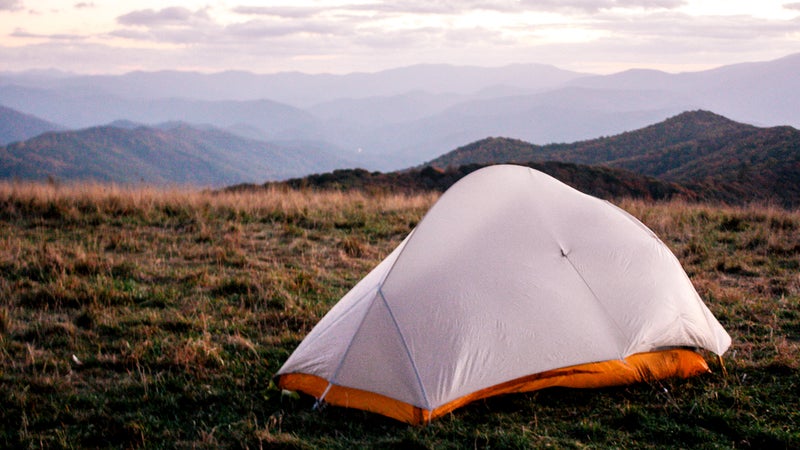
point(173, 154)
point(701, 150)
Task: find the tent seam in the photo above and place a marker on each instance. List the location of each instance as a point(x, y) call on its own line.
point(597, 299)
point(332, 381)
point(355, 304)
point(565, 254)
point(408, 352)
point(377, 288)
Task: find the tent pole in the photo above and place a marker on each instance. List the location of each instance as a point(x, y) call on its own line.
point(321, 398)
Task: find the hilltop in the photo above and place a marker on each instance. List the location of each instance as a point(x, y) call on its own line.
point(17, 126)
point(701, 150)
point(691, 127)
point(174, 153)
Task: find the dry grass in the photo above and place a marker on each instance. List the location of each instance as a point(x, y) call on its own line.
point(139, 317)
point(143, 199)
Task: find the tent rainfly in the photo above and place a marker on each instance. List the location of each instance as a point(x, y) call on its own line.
point(512, 282)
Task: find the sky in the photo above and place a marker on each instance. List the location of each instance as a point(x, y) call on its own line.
point(336, 36)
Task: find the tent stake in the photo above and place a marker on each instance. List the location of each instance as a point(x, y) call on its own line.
point(722, 365)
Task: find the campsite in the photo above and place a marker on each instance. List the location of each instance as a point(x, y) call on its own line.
point(157, 318)
point(374, 224)
point(503, 288)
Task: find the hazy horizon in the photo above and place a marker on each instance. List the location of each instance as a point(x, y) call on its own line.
point(57, 72)
point(347, 36)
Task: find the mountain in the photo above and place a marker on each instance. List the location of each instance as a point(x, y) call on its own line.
point(16, 126)
point(765, 93)
point(171, 154)
point(624, 148)
point(78, 109)
point(385, 110)
point(396, 118)
point(583, 108)
point(738, 162)
point(354, 111)
point(299, 89)
point(562, 115)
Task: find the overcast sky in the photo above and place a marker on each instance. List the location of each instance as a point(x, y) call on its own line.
point(600, 36)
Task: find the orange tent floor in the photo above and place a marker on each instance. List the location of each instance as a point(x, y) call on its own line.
point(641, 367)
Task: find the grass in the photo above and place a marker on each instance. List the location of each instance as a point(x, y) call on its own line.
point(137, 317)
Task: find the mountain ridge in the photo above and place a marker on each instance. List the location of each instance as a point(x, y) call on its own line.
point(302, 89)
point(18, 126)
point(694, 155)
point(737, 162)
point(177, 153)
point(396, 118)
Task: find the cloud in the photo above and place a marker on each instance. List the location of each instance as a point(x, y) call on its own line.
point(264, 29)
point(592, 6)
point(379, 26)
point(173, 25)
point(182, 29)
point(446, 7)
point(575, 34)
point(10, 5)
point(288, 12)
point(84, 5)
point(20, 33)
point(703, 30)
point(423, 7)
point(449, 7)
point(169, 35)
point(377, 38)
point(132, 34)
point(168, 16)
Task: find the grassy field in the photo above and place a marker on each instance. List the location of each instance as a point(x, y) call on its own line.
point(156, 318)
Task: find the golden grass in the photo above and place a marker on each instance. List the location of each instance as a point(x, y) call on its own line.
point(174, 297)
point(125, 199)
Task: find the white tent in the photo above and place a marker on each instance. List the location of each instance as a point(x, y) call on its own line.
point(513, 281)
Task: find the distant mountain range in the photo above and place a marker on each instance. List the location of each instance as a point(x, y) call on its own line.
point(764, 93)
point(170, 154)
point(78, 109)
point(694, 155)
point(397, 118)
point(299, 89)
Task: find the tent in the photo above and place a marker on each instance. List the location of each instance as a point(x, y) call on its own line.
point(512, 282)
